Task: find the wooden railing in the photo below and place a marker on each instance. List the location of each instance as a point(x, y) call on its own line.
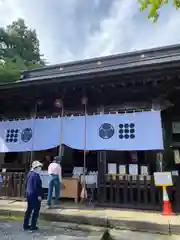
point(13, 185)
point(137, 192)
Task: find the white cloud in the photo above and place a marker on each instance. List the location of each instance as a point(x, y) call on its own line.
point(72, 29)
point(115, 31)
point(125, 31)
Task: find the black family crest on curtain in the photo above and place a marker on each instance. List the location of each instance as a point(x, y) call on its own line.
point(14, 135)
point(26, 135)
point(127, 131)
point(106, 131)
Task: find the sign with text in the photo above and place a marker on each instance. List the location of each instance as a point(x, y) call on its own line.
point(163, 179)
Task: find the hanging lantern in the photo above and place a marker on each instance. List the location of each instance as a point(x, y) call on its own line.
point(58, 103)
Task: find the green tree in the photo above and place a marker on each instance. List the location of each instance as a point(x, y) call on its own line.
point(19, 50)
point(153, 7)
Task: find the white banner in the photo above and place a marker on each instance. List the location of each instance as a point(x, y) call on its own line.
point(130, 132)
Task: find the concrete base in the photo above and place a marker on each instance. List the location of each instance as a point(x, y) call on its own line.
point(102, 218)
point(98, 222)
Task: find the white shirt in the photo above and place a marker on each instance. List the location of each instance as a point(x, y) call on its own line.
point(55, 168)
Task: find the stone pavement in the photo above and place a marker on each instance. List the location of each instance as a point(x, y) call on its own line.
point(129, 235)
point(10, 229)
point(108, 218)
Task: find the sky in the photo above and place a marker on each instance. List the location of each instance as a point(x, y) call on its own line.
point(71, 30)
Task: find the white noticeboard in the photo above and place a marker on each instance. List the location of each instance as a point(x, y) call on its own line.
point(163, 179)
point(144, 170)
point(176, 156)
point(112, 168)
point(45, 179)
point(77, 171)
point(133, 169)
point(122, 169)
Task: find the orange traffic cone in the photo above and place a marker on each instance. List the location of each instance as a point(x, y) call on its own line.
point(167, 209)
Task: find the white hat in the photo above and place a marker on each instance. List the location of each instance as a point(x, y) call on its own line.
point(36, 164)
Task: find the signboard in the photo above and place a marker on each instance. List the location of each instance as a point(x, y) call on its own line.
point(163, 179)
point(144, 170)
point(122, 169)
point(45, 179)
point(112, 168)
point(133, 169)
point(176, 127)
point(176, 156)
point(77, 171)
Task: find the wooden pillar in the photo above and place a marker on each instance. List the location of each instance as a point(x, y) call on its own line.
point(101, 164)
point(167, 138)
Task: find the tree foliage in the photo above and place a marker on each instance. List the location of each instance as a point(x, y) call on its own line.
point(153, 7)
point(19, 50)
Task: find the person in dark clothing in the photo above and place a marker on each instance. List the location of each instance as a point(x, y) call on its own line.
point(34, 196)
point(46, 162)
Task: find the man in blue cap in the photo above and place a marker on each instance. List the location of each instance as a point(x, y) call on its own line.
point(34, 196)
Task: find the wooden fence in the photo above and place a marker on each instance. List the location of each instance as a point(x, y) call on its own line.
point(13, 185)
point(138, 192)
